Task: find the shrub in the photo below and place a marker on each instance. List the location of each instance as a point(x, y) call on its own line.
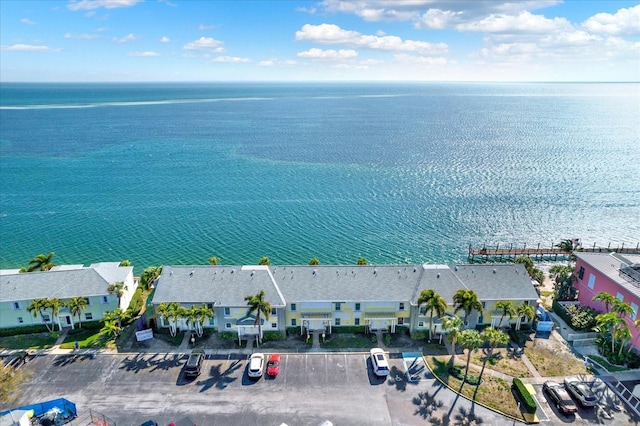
point(227, 335)
point(387, 339)
point(348, 329)
point(529, 403)
point(274, 335)
point(293, 331)
point(458, 372)
point(578, 317)
point(420, 334)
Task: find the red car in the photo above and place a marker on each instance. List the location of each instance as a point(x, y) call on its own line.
point(273, 365)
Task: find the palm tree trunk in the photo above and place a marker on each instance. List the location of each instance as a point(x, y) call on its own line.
point(430, 324)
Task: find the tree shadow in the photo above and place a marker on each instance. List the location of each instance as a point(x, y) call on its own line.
point(427, 404)
point(135, 364)
point(167, 362)
point(64, 360)
point(220, 379)
point(464, 418)
point(514, 352)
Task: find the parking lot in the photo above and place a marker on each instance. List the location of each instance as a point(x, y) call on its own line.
point(310, 388)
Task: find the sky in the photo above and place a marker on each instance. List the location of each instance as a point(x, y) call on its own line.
point(329, 40)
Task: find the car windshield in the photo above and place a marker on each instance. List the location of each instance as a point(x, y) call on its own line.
point(273, 363)
point(193, 360)
point(380, 357)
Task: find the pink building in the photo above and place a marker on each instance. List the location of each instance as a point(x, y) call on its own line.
point(616, 274)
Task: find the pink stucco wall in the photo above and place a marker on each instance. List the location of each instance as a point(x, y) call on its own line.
point(603, 283)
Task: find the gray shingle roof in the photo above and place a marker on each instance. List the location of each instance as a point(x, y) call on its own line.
point(497, 281)
point(62, 284)
point(222, 285)
point(359, 283)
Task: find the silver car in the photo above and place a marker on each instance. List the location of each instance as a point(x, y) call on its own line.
point(580, 391)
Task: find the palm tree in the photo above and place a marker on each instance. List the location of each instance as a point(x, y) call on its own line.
point(452, 326)
point(214, 260)
point(264, 260)
point(117, 288)
point(314, 261)
point(623, 335)
point(524, 311)
point(467, 301)
point(36, 307)
point(41, 262)
point(191, 315)
point(506, 308)
point(605, 297)
point(433, 302)
point(55, 304)
point(171, 312)
point(76, 306)
point(362, 261)
point(202, 314)
point(471, 341)
point(611, 322)
point(260, 306)
point(495, 338)
point(112, 328)
point(125, 262)
point(622, 309)
point(149, 275)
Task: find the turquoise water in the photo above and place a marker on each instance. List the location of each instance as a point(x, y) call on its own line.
point(176, 173)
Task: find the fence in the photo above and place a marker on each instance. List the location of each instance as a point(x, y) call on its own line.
point(92, 418)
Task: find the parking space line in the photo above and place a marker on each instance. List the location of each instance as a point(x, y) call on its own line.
point(286, 360)
point(346, 370)
point(326, 368)
point(541, 409)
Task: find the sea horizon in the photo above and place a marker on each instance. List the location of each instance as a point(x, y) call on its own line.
point(395, 172)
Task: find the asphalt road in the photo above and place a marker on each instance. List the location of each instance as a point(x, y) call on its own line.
point(311, 388)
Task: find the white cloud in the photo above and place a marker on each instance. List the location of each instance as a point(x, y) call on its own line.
point(436, 19)
point(310, 10)
point(147, 54)
point(164, 39)
point(419, 60)
point(333, 34)
point(623, 22)
point(27, 21)
point(101, 29)
point(205, 43)
point(96, 4)
point(126, 39)
point(80, 36)
point(230, 60)
point(206, 27)
point(328, 55)
point(28, 48)
point(276, 62)
point(524, 22)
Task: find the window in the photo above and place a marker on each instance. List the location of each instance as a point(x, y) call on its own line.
point(402, 306)
point(88, 316)
point(338, 306)
point(274, 325)
point(105, 299)
point(481, 319)
point(16, 305)
point(357, 306)
point(420, 323)
point(227, 325)
point(293, 307)
point(581, 273)
point(227, 312)
point(634, 315)
point(484, 305)
point(210, 305)
point(274, 312)
point(337, 321)
point(357, 321)
point(46, 317)
point(293, 322)
point(400, 320)
point(592, 281)
point(620, 297)
point(20, 320)
point(88, 301)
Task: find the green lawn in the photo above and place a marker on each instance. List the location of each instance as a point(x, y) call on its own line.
point(86, 339)
point(30, 341)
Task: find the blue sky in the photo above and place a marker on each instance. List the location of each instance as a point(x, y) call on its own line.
point(416, 40)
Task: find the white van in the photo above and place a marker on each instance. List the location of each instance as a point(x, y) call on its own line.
point(379, 362)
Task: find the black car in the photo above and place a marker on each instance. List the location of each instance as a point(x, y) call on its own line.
point(194, 364)
point(16, 359)
point(559, 396)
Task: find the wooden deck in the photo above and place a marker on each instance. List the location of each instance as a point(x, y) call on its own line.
point(540, 252)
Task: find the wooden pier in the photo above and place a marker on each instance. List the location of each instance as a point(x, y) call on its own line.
point(540, 252)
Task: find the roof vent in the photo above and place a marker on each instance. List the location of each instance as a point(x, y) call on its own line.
point(233, 270)
point(414, 269)
point(494, 270)
point(375, 271)
point(398, 270)
point(472, 271)
point(456, 268)
point(171, 273)
point(438, 275)
point(252, 272)
point(315, 272)
point(191, 273)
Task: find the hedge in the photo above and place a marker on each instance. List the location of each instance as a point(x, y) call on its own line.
point(529, 403)
point(420, 334)
point(27, 329)
point(274, 335)
point(458, 372)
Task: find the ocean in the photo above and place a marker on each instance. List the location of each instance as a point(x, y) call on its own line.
point(395, 173)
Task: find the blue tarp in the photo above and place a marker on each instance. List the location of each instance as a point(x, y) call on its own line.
point(66, 407)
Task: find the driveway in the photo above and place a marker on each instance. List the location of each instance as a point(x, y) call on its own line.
point(311, 388)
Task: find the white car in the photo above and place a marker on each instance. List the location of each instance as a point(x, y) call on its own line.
point(256, 365)
point(379, 362)
point(580, 391)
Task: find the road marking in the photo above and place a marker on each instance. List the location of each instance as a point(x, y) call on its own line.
point(541, 409)
point(286, 360)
